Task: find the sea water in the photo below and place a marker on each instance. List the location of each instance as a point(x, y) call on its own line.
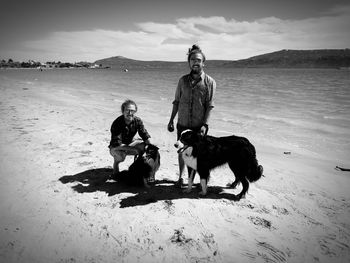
point(296, 110)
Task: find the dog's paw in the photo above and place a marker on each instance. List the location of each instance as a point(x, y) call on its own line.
point(239, 197)
point(187, 190)
point(146, 185)
point(179, 183)
point(233, 185)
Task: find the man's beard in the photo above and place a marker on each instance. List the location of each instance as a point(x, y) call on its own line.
point(196, 70)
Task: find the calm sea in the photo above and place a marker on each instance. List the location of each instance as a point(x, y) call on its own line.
point(297, 110)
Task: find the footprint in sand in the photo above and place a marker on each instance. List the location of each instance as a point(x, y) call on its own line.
point(270, 253)
point(85, 163)
point(179, 237)
point(256, 220)
point(331, 246)
point(280, 210)
point(84, 153)
point(169, 206)
point(209, 240)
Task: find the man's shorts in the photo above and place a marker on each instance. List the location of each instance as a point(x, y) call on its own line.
point(133, 148)
point(119, 156)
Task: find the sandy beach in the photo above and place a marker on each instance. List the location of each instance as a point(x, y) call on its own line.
point(53, 151)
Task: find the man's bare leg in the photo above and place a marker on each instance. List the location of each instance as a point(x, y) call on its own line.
point(179, 182)
point(115, 167)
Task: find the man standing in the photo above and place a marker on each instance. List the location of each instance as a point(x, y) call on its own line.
point(193, 102)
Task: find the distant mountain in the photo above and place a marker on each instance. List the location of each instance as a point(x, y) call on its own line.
point(123, 63)
point(323, 58)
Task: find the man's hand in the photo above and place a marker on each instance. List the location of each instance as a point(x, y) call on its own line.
point(171, 126)
point(204, 129)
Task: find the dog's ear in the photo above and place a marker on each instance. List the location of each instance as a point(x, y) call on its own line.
point(151, 147)
point(156, 148)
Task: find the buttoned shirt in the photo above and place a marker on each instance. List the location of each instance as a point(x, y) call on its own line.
point(194, 98)
point(122, 133)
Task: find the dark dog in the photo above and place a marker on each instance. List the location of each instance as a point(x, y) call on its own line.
point(203, 153)
point(142, 170)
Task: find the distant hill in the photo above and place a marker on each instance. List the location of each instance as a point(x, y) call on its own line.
point(122, 63)
point(323, 58)
point(126, 63)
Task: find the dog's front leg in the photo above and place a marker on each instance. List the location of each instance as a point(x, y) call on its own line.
point(204, 187)
point(204, 175)
point(145, 183)
point(190, 181)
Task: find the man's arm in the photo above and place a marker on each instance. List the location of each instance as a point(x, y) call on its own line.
point(175, 105)
point(207, 115)
point(209, 107)
point(173, 114)
point(116, 139)
point(142, 131)
point(204, 128)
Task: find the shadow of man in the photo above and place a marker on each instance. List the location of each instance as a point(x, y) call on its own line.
point(163, 190)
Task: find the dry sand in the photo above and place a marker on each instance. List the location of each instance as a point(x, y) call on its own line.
point(54, 149)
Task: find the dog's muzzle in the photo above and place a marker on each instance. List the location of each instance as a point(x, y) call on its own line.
point(180, 147)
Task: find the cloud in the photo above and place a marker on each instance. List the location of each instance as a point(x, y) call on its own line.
point(165, 30)
point(219, 37)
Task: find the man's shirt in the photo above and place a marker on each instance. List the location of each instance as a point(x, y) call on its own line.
point(193, 100)
point(121, 133)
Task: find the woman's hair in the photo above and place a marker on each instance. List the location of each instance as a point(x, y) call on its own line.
point(194, 50)
point(126, 103)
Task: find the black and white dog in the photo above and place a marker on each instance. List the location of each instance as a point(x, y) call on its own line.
point(142, 170)
point(203, 153)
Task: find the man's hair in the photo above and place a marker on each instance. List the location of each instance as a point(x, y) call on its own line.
point(194, 50)
point(127, 103)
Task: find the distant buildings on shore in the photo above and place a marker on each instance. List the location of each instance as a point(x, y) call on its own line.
point(48, 65)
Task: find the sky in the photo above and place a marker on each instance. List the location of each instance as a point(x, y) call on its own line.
point(88, 30)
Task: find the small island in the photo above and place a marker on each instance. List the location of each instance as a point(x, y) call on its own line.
point(10, 63)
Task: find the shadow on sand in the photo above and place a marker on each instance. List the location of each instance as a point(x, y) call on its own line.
point(163, 190)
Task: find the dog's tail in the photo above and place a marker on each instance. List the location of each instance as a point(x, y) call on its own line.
point(256, 170)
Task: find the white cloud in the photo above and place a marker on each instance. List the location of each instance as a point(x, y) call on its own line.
point(164, 30)
point(220, 38)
